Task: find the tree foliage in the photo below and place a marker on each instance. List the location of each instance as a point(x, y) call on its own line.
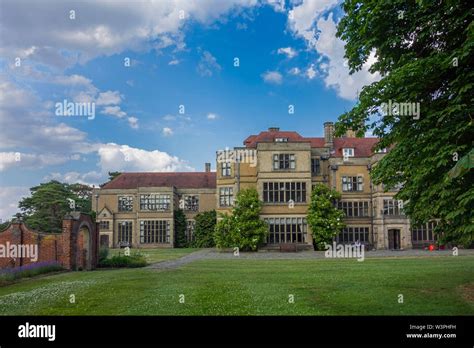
point(49, 202)
point(424, 54)
point(204, 229)
point(244, 228)
point(180, 229)
point(325, 220)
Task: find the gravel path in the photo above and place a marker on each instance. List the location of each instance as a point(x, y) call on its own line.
point(212, 254)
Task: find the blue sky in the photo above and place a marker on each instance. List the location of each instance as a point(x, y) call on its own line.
point(181, 53)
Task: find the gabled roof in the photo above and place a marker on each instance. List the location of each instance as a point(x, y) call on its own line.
point(362, 146)
point(178, 180)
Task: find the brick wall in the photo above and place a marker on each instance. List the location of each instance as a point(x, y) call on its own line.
point(69, 248)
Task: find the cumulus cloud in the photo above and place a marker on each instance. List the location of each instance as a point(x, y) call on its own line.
point(101, 27)
point(273, 77)
point(114, 157)
point(114, 111)
point(109, 98)
point(306, 20)
point(288, 51)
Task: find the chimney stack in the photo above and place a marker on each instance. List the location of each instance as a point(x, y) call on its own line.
point(207, 167)
point(328, 134)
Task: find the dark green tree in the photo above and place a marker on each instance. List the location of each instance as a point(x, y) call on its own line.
point(325, 220)
point(180, 229)
point(49, 202)
point(425, 54)
point(204, 229)
point(113, 175)
point(244, 228)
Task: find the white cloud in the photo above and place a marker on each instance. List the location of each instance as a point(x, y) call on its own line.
point(133, 122)
point(26, 114)
point(114, 157)
point(212, 116)
point(10, 196)
point(272, 77)
point(109, 98)
point(310, 72)
point(114, 111)
point(167, 131)
point(306, 20)
point(208, 64)
point(295, 71)
point(337, 71)
point(288, 51)
point(45, 33)
point(33, 161)
point(90, 178)
point(278, 5)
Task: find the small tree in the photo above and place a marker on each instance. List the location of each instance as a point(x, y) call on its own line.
point(179, 229)
point(204, 229)
point(324, 218)
point(244, 229)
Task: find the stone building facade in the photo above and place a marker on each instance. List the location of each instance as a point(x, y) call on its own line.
point(284, 167)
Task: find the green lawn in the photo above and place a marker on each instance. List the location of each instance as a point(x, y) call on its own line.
point(430, 286)
point(156, 255)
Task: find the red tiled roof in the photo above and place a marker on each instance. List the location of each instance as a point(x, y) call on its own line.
point(316, 142)
point(269, 137)
point(362, 146)
point(178, 180)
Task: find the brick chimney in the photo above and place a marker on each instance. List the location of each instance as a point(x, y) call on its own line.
point(207, 167)
point(328, 134)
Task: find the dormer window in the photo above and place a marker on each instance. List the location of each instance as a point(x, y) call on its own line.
point(281, 140)
point(348, 152)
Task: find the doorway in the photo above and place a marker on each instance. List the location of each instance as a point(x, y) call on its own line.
point(394, 239)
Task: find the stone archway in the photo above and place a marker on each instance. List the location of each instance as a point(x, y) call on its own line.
point(83, 241)
point(83, 254)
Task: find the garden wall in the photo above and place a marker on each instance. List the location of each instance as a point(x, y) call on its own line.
point(75, 248)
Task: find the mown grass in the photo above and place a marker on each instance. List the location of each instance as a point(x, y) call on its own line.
point(430, 286)
point(156, 255)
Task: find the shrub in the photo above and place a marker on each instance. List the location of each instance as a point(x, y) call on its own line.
point(119, 261)
point(33, 269)
point(204, 229)
point(325, 220)
point(180, 229)
point(103, 253)
point(243, 229)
